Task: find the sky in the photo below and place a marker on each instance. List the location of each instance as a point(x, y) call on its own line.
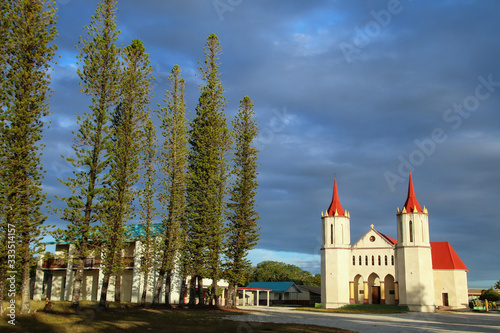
point(364, 91)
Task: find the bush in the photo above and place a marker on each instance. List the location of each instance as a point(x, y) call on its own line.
point(489, 294)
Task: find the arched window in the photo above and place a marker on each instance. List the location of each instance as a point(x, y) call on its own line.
point(373, 261)
point(331, 233)
point(360, 262)
point(379, 261)
point(386, 260)
point(366, 260)
point(411, 231)
point(354, 260)
point(392, 260)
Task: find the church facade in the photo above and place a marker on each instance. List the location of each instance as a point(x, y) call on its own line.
point(377, 269)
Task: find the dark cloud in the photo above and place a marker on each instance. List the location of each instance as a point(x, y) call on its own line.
point(323, 111)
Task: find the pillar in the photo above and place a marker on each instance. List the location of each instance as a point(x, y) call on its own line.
point(366, 300)
point(69, 270)
point(257, 298)
point(37, 293)
point(396, 293)
point(351, 292)
point(243, 297)
point(382, 292)
point(268, 298)
point(136, 274)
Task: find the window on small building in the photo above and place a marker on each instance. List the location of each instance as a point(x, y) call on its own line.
point(360, 262)
point(386, 260)
point(392, 260)
point(373, 261)
point(379, 261)
point(366, 260)
point(354, 260)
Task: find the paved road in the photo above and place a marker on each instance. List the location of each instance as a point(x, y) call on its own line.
point(367, 323)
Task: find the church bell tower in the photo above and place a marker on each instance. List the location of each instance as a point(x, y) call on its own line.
point(413, 256)
point(335, 253)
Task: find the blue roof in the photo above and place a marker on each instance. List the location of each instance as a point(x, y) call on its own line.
point(135, 230)
point(275, 286)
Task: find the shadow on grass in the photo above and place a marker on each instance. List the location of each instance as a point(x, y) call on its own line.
point(119, 318)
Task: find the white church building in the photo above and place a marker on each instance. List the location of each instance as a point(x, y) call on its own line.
point(377, 269)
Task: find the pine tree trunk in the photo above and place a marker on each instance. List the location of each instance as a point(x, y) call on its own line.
point(192, 290)
point(2, 288)
point(145, 289)
point(200, 291)
point(231, 299)
point(182, 291)
point(77, 283)
point(104, 290)
point(25, 280)
point(118, 286)
point(214, 298)
point(157, 290)
point(168, 288)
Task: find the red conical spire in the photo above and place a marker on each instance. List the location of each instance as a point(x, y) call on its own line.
point(335, 205)
point(411, 201)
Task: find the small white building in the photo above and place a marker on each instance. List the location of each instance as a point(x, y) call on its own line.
point(378, 269)
point(54, 276)
point(272, 293)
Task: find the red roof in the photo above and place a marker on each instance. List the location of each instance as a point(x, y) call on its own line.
point(411, 200)
point(444, 257)
point(335, 205)
point(390, 239)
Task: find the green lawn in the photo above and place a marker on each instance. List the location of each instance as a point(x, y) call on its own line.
point(135, 319)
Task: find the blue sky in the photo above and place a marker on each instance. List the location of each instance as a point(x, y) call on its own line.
point(364, 90)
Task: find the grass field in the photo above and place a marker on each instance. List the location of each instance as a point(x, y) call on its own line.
point(134, 319)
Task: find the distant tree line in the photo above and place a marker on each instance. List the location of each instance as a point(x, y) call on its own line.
point(274, 271)
point(201, 175)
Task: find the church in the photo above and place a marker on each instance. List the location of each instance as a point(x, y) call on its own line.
point(410, 270)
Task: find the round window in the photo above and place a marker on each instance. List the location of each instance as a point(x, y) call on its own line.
point(372, 239)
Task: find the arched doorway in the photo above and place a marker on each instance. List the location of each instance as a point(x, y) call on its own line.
point(358, 289)
point(374, 289)
point(389, 289)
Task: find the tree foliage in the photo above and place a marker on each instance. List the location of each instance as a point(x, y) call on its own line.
point(173, 184)
point(149, 246)
point(126, 129)
point(242, 230)
point(208, 172)
point(274, 271)
point(497, 285)
point(490, 294)
point(27, 32)
point(100, 75)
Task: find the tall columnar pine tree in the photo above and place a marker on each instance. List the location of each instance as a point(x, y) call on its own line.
point(242, 230)
point(149, 246)
point(4, 26)
point(208, 171)
point(27, 32)
point(101, 75)
point(127, 122)
point(173, 166)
